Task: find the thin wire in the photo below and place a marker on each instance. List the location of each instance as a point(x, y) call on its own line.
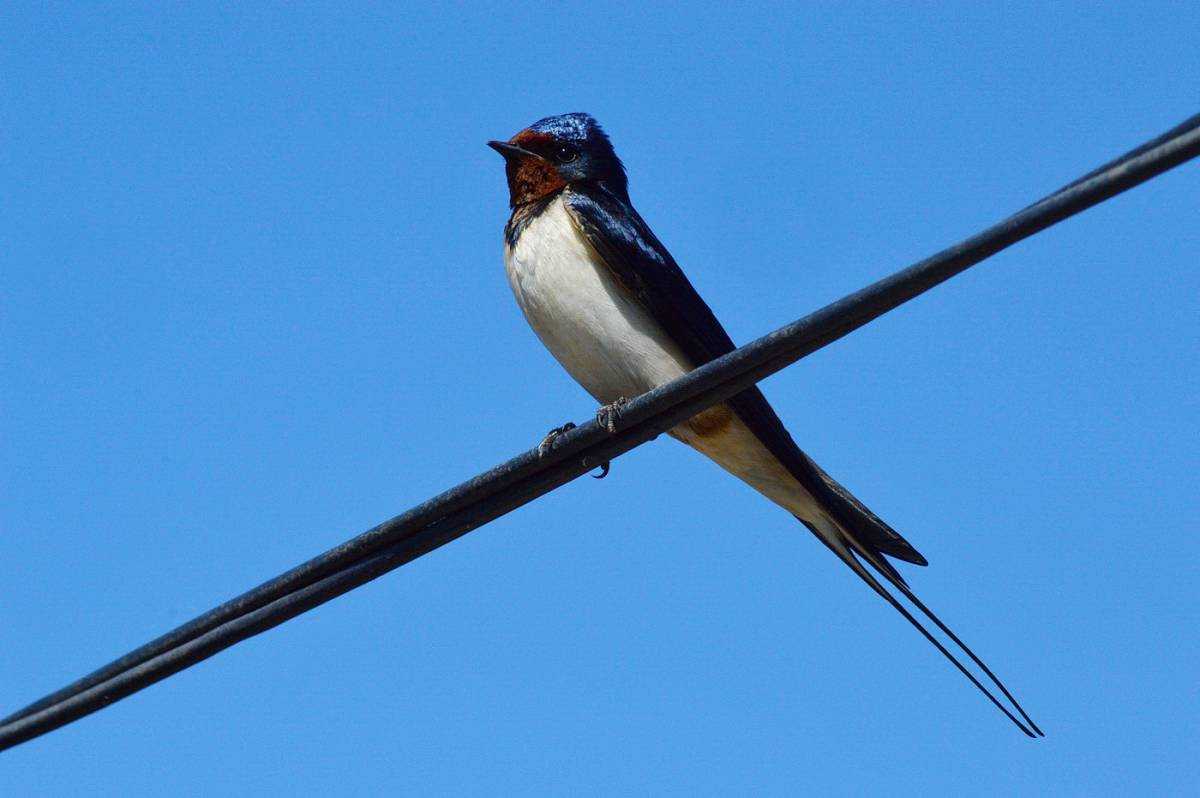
point(530, 475)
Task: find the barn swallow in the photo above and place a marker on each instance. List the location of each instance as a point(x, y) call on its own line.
point(609, 302)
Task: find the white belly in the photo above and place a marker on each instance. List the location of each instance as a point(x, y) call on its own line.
point(605, 340)
point(613, 348)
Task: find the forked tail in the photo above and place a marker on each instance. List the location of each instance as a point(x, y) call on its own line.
point(849, 550)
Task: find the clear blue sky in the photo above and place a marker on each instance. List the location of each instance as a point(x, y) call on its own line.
point(253, 303)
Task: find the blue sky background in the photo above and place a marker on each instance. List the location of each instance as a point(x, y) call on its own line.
point(253, 303)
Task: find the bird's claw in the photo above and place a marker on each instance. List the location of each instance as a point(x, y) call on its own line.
point(608, 414)
point(548, 442)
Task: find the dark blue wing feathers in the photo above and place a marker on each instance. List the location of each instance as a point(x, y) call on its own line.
point(644, 267)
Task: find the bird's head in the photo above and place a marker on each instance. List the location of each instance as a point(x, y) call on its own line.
point(558, 151)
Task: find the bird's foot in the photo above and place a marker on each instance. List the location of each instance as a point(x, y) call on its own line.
point(553, 435)
point(548, 442)
point(608, 414)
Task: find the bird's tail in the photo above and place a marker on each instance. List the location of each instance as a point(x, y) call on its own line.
point(854, 552)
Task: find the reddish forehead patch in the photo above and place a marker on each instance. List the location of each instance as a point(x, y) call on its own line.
point(530, 139)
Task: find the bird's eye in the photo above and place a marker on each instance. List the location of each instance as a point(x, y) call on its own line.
point(565, 154)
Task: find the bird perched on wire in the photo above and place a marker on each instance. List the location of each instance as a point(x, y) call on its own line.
point(613, 307)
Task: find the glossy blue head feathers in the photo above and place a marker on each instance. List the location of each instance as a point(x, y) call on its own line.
point(577, 128)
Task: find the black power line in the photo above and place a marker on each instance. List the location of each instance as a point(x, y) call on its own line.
point(530, 475)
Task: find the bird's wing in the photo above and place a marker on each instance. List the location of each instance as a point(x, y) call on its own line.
point(644, 267)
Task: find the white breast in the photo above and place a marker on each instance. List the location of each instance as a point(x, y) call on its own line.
point(606, 341)
point(613, 348)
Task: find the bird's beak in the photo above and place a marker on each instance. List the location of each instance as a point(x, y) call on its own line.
point(512, 150)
